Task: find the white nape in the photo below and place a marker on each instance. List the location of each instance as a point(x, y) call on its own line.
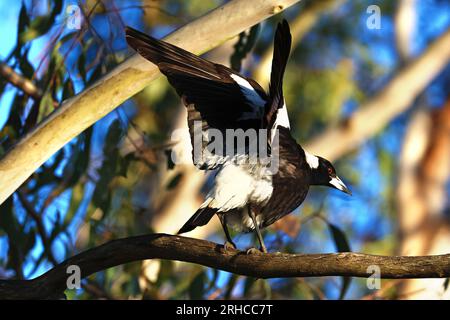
point(312, 160)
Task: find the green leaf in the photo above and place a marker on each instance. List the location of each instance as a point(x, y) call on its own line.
point(55, 73)
point(244, 45)
point(197, 287)
point(82, 66)
point(124, 163)
point(68, 90)
point(339, 238)
point(165, 272)
point(170, 163)
point(102, 194)
point(248, 285)
point(214, 278)
point(342, 245)
point(96, 74)
point(230, 286)
point(24, 19)
point(39, 26)
point(23, 23)
point(46, 174)
point(174, 181)
point(26, 66)
point(77, 196)
point(20, 240)
point(15, 114)
point(78, 165)
point(32, 117)
point(46, 106)
point(13, 127)
point(68, 36)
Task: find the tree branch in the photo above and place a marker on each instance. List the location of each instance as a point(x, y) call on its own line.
point(46, 242)
point(388, 103)
point(19, 81)
point(273, 265)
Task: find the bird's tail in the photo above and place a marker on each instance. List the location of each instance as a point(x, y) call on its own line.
point(199, 218)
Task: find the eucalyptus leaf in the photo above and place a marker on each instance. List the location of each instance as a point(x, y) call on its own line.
point(247, 40)
point(342, 245)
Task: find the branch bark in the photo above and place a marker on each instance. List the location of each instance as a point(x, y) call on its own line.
point(405, 26)
point(17, 80)
point(127, 79)
point(272, 265)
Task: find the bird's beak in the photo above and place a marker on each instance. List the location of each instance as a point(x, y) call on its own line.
point(338, 184)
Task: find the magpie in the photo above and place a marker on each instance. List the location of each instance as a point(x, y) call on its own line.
point(246, 197)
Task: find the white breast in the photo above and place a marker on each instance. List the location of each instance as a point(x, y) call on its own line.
point(236, 186)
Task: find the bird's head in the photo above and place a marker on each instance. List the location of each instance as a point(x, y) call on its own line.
point(324, 174)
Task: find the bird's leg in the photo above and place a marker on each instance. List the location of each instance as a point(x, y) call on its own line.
point(229, 244)
point(252, 215)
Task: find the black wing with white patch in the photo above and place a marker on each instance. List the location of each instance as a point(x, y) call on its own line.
point(276, 112)
point(213, 94)
point(222, 96)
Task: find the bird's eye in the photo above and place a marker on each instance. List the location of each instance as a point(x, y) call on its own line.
point(330, 171)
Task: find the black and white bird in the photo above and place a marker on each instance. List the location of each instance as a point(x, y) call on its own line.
point(245, 196)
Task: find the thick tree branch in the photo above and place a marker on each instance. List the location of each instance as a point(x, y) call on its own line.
point(127, 79)
point(273, 265)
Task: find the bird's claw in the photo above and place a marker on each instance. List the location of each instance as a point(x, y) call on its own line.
point(229, 246)
point(254, 251)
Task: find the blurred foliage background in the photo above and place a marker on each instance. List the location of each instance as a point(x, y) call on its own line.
point(115, 179)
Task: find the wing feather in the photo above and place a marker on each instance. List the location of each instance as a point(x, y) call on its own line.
point(276, 112)
point(215, 95)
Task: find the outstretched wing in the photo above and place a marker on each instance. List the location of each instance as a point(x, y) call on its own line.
point(275, 111)
point(214, 95)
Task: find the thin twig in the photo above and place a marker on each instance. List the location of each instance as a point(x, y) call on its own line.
point(46, 242)
point(20, 82)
